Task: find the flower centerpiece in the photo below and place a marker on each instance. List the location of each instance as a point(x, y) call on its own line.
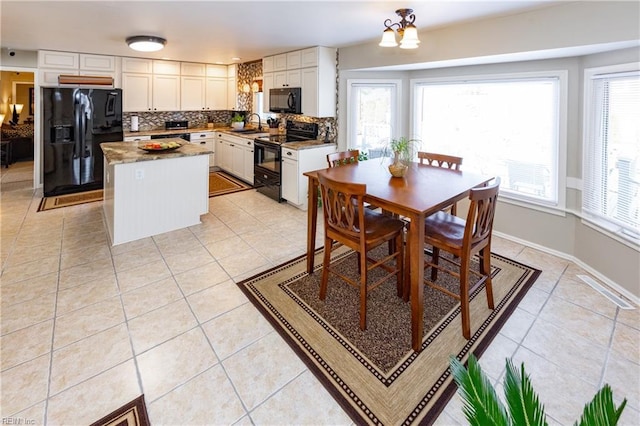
point(237, 121)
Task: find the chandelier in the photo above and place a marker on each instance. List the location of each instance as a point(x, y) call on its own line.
point(406, 30)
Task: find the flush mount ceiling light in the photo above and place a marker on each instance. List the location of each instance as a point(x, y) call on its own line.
point(406, 30)
point(146, 43)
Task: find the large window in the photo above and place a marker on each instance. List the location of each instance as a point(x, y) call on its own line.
point(611, 167)
point(507, 126)
point(373, 114)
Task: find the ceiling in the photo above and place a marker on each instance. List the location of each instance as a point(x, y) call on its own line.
point(217, 31)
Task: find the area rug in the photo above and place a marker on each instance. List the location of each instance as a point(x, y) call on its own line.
point(67, 200)
point(132, 414)
point(221, 183)
point(375, 375)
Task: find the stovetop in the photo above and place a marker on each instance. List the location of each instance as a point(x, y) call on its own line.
point(280, 139)
point(296, 131)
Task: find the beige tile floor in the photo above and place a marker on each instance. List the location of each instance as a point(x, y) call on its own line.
point(86, 327)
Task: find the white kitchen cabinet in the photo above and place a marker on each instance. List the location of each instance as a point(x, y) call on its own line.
point(49, 77)
point(136, 92)
point(58, 60)
point(280, 62)
point(166, 92)
point(232, 88)
point(206, 139)
point(289, 170)
point(319, 85)
point(144, 90)
point(234, 154)
point(294, 59)
point(313, 70)
point(97, 63)
point(295, 185)
point(267, 84)
point(192, 93)
point(193, 69)
point(290, 78)
point(137, 65)
point(309, 57)
point(217, 70)
point(223, 154)
point(166, 67)
point(216, 93)
point(267, 64)
point(52, 64)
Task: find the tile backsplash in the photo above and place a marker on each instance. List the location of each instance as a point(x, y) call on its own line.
point(155, 120)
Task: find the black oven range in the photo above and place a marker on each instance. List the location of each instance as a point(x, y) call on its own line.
point(267, 155)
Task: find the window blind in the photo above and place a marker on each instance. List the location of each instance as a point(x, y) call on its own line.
point(611, 175)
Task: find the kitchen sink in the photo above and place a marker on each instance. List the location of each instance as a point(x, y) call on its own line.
point(251, 131)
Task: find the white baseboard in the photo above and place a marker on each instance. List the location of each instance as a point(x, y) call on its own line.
point(635, 300)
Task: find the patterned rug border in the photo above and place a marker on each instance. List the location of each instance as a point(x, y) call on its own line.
point(478, 343)
point(240, 186)
point(120, 417)
point(44, 203)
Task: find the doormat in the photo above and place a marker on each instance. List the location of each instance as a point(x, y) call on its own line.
point(221, 183)
point(67, 200)
point(375, 375)
point(132, 414)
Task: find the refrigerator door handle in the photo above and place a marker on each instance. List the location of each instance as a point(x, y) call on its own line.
point(78, 137)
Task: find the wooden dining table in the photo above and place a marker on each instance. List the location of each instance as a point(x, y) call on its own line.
point(421, 192)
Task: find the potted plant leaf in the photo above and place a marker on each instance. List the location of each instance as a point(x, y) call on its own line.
point(237, 121)
point(483, 407)
point(403, 150)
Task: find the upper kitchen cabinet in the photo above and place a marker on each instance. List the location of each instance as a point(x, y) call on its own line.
point(216, 87)
point(52, 64)
point(313, 70)
point(192, 86)
point(318, 82)
point(150, 85)
point(232, 87)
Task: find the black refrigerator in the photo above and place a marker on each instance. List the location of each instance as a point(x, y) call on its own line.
point(74, 124)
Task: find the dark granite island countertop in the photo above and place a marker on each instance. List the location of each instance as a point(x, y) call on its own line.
point(129, 152)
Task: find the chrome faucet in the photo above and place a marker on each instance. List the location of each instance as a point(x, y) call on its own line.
point(259, 120)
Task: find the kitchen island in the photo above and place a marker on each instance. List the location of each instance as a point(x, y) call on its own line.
point(149, 193)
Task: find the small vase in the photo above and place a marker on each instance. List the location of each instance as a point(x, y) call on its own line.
point(397, 168)
point(237, 125)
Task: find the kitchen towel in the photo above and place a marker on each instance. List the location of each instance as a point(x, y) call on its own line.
point(134, 123)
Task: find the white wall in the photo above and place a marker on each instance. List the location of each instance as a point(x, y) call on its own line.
point(499, 46)
point(570, 25)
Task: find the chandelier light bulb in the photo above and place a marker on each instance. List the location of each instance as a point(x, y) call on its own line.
point(406, 30)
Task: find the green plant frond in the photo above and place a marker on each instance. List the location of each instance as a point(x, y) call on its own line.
point(524, 406)
point(481, 404)
point(601, 410)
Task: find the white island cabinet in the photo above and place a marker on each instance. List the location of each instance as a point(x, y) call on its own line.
point(147, 194)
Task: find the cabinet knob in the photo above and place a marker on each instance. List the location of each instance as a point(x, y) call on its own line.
point(288, 153)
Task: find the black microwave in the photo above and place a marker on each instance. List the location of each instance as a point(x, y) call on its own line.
point(286, 100)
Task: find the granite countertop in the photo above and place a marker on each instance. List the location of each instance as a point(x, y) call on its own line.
point(298, 146)
point(171, 131)
point(128, 152)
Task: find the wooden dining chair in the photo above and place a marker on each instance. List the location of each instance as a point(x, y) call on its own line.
point(464, 239)
point(341, 158)
point(336, 159)
point(442, 160)
point(347, 221)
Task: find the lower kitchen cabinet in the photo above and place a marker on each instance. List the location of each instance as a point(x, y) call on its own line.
point(234, 155)
point(206, 139)
point(295, 185)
